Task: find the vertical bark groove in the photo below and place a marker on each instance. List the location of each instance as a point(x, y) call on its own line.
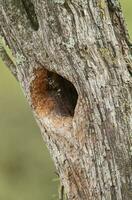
point(29, 8)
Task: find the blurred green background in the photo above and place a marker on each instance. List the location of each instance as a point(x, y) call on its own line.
point(26, 169)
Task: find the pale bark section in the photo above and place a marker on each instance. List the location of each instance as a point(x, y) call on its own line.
point(86, 43)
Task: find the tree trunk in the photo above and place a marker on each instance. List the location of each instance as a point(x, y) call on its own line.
point(73, 60)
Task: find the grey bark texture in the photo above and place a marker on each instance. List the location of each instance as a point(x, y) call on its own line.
point(73, 61)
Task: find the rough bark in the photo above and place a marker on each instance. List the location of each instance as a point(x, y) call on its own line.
point(74, 65)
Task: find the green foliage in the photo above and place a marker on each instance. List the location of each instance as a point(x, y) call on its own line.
point(26, 169)
point(7, 50)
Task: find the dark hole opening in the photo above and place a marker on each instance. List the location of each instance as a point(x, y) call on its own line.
point(64, 94)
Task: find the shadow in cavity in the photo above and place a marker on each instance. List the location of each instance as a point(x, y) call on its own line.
point(51, 93)
point(64, 93)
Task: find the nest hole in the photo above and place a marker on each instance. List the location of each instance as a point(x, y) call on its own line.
point(51, 93)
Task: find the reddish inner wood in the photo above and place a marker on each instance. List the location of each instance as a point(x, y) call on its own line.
point(52, 93)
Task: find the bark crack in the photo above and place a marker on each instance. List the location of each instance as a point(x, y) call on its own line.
point(29, 8)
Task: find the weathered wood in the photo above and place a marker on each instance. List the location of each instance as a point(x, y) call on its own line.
point(74, 65)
